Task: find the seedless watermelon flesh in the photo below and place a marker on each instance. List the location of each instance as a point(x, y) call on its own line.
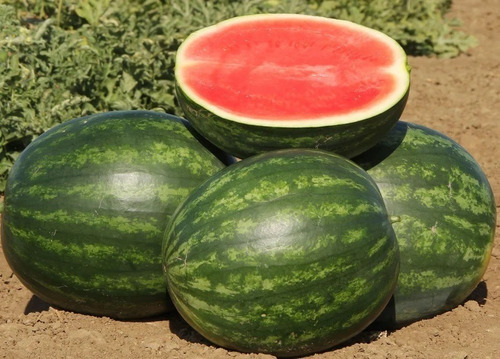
point(256, 83)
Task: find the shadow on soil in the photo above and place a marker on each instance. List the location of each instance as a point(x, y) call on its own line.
point(183, 330)
point(479, 294)
point(387, 320)
point(36, 305)
point(173, 319)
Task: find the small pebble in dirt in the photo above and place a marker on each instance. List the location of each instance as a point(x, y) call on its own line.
point(170, 346)
point(457, 355)
point(472, 306)
point(153, 346)
point(83, 335)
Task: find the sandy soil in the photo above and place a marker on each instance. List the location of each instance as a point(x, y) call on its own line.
point(458, 97)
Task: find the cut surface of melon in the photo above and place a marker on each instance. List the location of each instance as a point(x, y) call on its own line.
point(292, 70)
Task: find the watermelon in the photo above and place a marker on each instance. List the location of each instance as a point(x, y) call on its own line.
point(444, 219)
point(257, 83)
point(287, 253)
point(87, 202)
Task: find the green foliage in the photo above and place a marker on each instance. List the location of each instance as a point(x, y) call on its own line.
point(64, 59)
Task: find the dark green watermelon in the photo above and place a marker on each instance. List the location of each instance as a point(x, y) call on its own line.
point(444, 217)
point(287, 253)
point(86, 205)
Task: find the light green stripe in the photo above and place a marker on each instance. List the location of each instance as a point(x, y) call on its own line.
point(473, 196)
point(120, 224)
point(336, 210)
point(390, 259)
point(260, 274)
point(433, 280)
point(100, 283)
point(327, 181)
point(417, 138)
point(85, 251)
point(158, 153)
point(249, 182)
point(127, 186)
point(438, 238)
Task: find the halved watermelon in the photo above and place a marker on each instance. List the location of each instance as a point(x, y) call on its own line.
point(262, 82)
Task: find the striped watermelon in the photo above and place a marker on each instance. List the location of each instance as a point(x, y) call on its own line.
point(287, 253)
point(444, 213)
point(257, 83)
point(86, 205)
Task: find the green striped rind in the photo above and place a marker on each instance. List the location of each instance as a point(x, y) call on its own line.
point(243, 140)
point(288, 253)
point(445, 217)
point(87, 203)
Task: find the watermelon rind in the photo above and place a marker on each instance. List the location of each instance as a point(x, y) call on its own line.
point(444, 216)
point(286, 253)
point(87, 202)
point(347, 134)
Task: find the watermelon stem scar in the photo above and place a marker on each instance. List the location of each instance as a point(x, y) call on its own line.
point(394, 219)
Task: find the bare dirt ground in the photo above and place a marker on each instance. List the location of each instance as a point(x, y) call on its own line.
point(458, 97)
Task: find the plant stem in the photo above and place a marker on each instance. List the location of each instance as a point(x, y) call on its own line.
point(59, 10)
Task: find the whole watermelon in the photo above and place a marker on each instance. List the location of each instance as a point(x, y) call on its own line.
point(287, 253)
point(444, 217)
point(86, 205)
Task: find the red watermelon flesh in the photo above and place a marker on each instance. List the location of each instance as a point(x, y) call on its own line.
point(292, 68)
